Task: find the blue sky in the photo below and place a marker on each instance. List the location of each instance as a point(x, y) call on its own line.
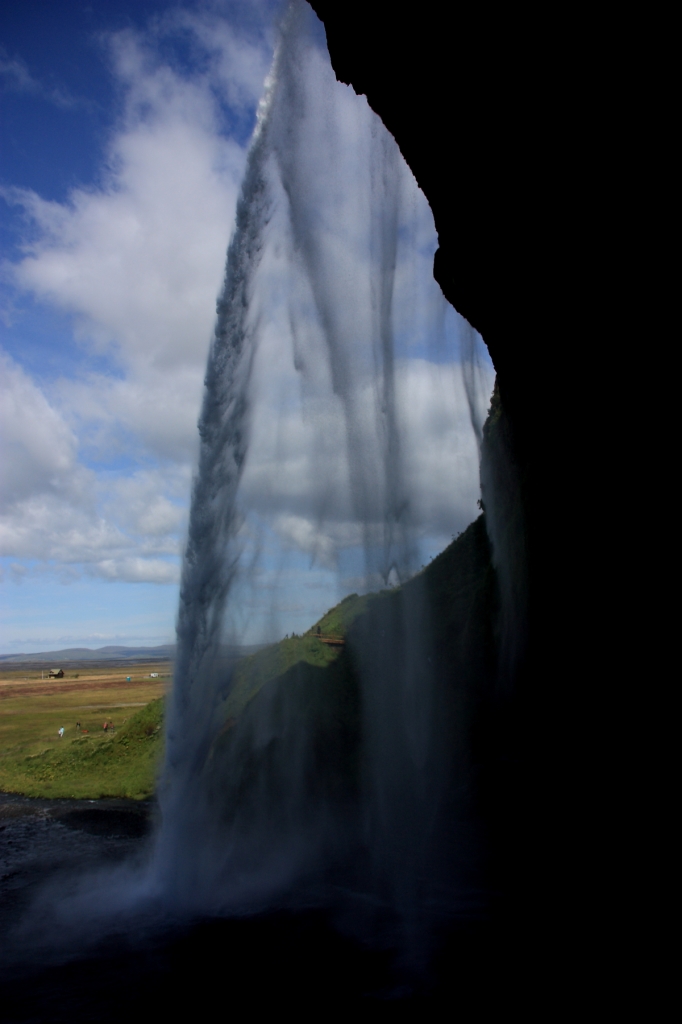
point(124, 135)
point(124, 127)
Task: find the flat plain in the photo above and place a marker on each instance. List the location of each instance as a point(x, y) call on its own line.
point(35, 760)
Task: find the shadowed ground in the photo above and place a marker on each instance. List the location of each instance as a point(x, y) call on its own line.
point(288, 959)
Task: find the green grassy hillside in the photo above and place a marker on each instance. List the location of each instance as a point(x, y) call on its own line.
point(252, 673)
point(88, 767)
point(455, 595)
point(294, 740)
point(310, 695)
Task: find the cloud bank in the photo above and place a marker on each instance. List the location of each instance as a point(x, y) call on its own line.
point(96, 469)
point(96, 463)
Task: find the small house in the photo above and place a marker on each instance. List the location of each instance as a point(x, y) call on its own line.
point(55, 673)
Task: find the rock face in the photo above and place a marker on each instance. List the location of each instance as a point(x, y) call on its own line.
point(373, 757)
point(502, 117)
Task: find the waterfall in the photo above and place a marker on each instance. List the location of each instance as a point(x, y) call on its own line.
point(342, 412)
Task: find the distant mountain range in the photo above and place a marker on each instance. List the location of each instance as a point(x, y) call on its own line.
point(78, 655)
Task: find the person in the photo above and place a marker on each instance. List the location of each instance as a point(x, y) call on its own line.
point(105, 726)
point(78, 726)
point(61, 732)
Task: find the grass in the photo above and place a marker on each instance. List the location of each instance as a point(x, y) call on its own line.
point(314, 682)
point(87, 763)
point(252, 673)
point(293, 732)
point(124, 764)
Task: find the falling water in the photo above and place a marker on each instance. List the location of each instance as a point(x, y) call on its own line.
point(342, 411)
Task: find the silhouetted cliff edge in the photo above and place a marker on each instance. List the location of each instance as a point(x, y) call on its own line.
point(377, 741)
point(515, 126)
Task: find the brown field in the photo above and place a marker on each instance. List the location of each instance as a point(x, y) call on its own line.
point(20, 682)
point(85, 673)
point(32, 710)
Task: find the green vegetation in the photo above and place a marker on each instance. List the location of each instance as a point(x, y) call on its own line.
point(252, 673)
point(124, 764)
point(455, 595)
point(338, 620)
point(308, 692)
point(292, 738)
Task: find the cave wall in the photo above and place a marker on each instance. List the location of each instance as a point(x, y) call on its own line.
point(504, 118)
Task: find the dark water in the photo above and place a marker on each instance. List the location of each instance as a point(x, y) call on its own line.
point(41, 840)
point(295, 956)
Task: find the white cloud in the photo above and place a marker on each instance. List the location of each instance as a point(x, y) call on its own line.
point(17, 77)
point(140, 506)
point(37, 448)
point(238, 65)
point(149, 413)
point(56, 511)
point(307, 536)
point(439, 445)
point(137, 262)
point(72, 540)
point(297, 473)
point(138, 570)
point(57, 530)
